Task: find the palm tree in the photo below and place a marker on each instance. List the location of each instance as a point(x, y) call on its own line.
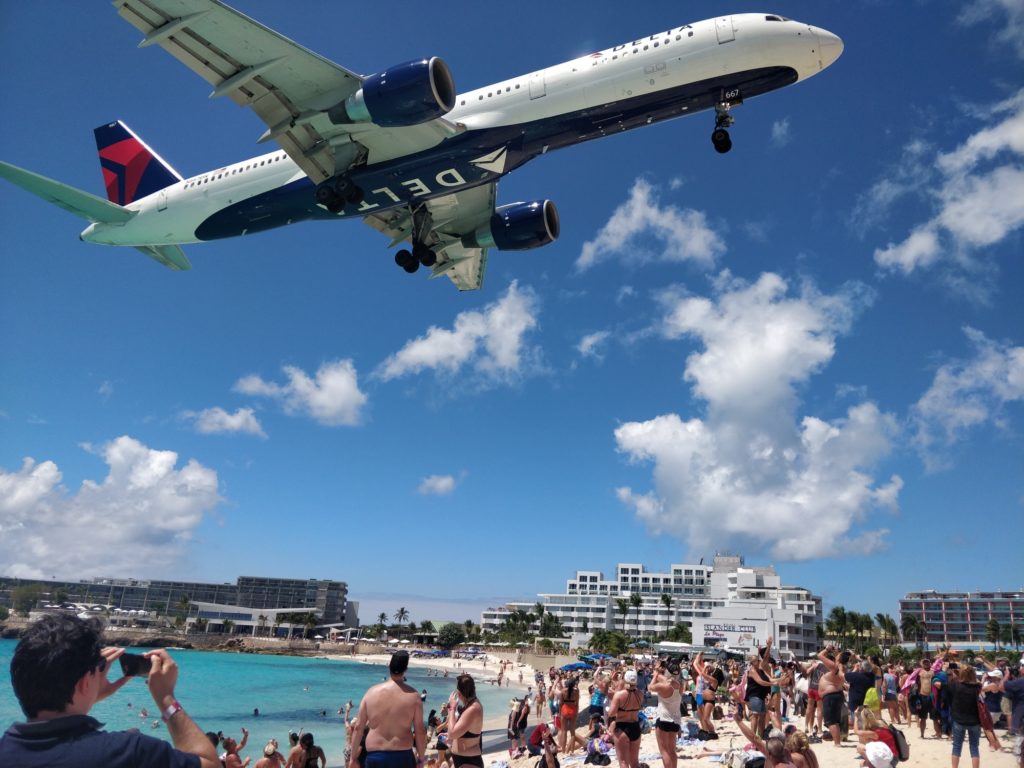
point(837, 624)
point(262, 622)
point(200, 624)
point(636, 601)
point(538, 608)
point(401, 616)
point(382, 619)
point(913, 628)
point(992, 632)
point(228, 625)
point(622, 606)
point(310, 620)
point(278, 620)
point(183, 605)
point(666, 600)
point(1016, 635)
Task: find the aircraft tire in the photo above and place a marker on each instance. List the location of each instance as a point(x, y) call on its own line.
point(720, 138)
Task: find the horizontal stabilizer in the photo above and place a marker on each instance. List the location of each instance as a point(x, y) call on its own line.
point(83, 204)
point(171, 256)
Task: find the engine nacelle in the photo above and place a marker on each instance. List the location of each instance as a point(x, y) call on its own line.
point(518, 227)
point(406, 94)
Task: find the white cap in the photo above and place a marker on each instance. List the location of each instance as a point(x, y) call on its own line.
point(630, 677)
point(878, 754)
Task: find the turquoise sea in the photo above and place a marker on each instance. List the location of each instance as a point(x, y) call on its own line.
point(220, 691)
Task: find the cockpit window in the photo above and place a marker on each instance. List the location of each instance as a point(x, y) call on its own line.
point(775, 18)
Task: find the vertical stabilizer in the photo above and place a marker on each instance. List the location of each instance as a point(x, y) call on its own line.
point(131, 170)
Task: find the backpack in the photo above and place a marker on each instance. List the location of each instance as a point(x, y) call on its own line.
point(902, 747)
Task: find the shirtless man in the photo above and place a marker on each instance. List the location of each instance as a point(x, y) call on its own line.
point(924, 680)
point(393, 713)
point(830, 687)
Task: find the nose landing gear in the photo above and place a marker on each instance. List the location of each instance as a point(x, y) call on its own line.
point(723, 119)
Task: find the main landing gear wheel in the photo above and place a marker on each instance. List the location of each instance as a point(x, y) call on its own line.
point(720, 138)
point(407, 261)
point(424, 255)
point(348, 191)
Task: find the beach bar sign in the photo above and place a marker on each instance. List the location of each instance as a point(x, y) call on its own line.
point(742, 635)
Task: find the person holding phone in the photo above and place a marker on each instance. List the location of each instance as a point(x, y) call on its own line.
point(59, 672)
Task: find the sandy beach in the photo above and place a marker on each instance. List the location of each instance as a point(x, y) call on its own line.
point(927, 753)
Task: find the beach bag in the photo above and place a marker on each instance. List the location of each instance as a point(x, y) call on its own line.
point(902, 747)
point(803, 685)
point(871, 700)
point(691, 729)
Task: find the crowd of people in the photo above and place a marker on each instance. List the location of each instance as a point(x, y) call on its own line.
point(60, 670)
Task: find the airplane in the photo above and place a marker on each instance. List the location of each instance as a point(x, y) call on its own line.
point(401, 149)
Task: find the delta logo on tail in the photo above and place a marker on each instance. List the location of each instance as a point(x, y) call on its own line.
point(131, 170)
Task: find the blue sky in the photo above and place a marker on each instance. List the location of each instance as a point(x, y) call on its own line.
point(809, 350)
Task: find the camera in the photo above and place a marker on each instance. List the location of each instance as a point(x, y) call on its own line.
point(135, 665)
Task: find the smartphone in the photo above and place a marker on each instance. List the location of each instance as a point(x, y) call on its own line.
point(135, 665)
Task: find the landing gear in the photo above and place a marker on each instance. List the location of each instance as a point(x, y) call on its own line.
point(407, 261)
point(421, 253)
point(720, 136)
point(334, 196)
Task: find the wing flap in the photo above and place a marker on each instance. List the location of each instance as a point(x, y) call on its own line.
point(82, 204)
point(171, 256)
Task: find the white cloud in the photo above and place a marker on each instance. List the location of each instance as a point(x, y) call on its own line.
point(977, 196)
point(590, 345)
point(332, 398)
point(966, 394)
point(213, 421)
point(437, 485)
point(106, 390)
point(490, 343)
point(751, 474)
point(681, 235)
point(780, 132)
point(144, 512)
point(1007, 14)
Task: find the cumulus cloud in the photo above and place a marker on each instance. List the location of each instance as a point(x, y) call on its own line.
point(216, 421)
point(437, 485)
point(678, 235)
point(780, 132)
point(331, 398)
point(141, 516)
point(966, 394)
point(752, 474)
point(1007, 14)
point(491, 344)
point(977, 197)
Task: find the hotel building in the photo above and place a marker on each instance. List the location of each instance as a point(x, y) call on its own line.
point(725, 603)
point(327, 599)
point(962, 617)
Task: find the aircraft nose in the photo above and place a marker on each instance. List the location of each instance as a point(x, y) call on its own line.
point(830, 47)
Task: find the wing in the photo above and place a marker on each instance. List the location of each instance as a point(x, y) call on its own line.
point(449, 219)
point(289, 87)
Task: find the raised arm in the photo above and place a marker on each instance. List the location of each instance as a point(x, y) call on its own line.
point(357, 735)
point(748, 732)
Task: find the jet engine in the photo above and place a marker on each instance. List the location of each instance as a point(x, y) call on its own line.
point(405, 94)
point(518, 227)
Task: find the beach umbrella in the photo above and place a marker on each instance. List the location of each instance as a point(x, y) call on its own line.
point(318, 637)
point(576, 666)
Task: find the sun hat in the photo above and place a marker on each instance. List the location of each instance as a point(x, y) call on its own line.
point(995, 673)
point(878, 754)
point(630, 676)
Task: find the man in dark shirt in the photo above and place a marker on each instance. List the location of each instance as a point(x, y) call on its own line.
point(59, 671)
point(860, 682)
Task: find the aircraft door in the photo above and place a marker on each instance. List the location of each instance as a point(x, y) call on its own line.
point(724, 29)
point(161, 200)
point(537, 86)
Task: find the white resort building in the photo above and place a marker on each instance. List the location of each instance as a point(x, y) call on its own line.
point(726, 604)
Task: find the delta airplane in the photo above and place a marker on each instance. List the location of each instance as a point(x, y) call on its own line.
point(402, 149)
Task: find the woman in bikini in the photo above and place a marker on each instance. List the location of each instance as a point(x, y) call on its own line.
point(569, 713)
point(712, 679)
point(622, 710)
point(465, 728)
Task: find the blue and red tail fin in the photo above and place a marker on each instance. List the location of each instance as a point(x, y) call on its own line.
point(131, 170)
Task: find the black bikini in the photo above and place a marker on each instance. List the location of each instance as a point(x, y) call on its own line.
point(630, 728)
